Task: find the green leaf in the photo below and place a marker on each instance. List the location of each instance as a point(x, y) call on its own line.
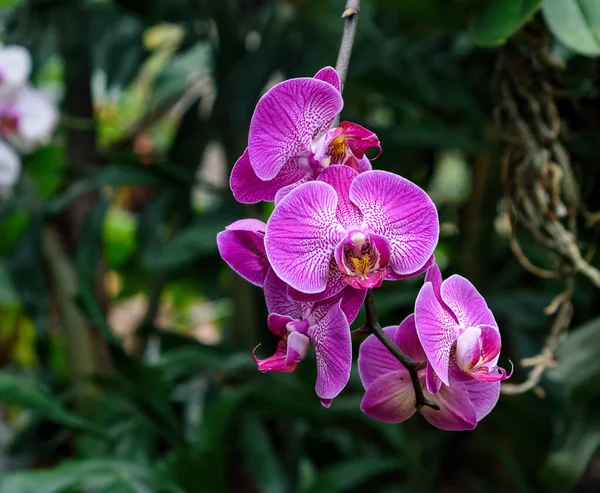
point(4, 4)
point(21, 393)
point(500, 19)
point(578, 365)
point(576, 23)
point(119, 235)
point(262, 459)
point(191, 244)
point(88, 475)
point(46, 167)
point(344, 476)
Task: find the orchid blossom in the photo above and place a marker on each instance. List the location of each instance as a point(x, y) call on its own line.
point(351, 229)
point(290, 140)
point(324, 323)
point(27, 118)
point(457, 330)
point(390, 396)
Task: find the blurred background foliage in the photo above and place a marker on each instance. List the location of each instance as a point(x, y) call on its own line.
point(124, 339)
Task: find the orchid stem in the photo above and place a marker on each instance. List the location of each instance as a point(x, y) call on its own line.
point(372, 325)
point(351, 16)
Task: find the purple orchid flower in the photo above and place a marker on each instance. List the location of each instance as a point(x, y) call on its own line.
point(290, 141)
point(458, 331)
point(324, 323)
point(242, 246)
point(390, 396)
point(351, 229)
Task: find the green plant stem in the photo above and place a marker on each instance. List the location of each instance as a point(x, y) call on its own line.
point(372, 325)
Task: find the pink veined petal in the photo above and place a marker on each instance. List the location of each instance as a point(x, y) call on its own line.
point(302, 233)
point(242, 248)
point(374, 360)
point(437, 330)
point(406, 338)
point(399, 210)
point(286, 120)
point(297, 348)
point(282, 192)
point(277, 324)
point(275, 362)
point(329, 75)
point(249, 224)
point(466, 303)
point(392, 276)
point(248, 188)
point(277, 299)
point(434, 276)
point(483, 396)
point(364, 164)
point(10, 166)
point(335, 284)
point(340, 178)
point(456, 410)
point(390, 398)
point(359, 139)
point(333, 349)
point(432, 380)
point(352, 300)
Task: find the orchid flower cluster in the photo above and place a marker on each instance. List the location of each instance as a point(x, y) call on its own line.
point(338, 229)
point(27, 115)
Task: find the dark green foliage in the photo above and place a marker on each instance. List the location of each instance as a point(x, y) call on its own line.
point(162, 412)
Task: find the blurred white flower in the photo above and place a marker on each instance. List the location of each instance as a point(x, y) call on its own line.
point(15, 67)
point(27, 118)
point(10, 166)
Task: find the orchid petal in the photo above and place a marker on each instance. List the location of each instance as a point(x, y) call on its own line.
point(390, 398)
point(483, 396)
point(392, 276)
point(241, 245)
point(399, 210)
point(248, 188)
point(466, 303)
point(340, 178)
point(432, 380)
point(359, 139)
point(406, 338)
point(15, 67)
point(277, 299)
point(329, 75)
point(277, 362)
point(468, 348)
point(456, 410)
point(352, 300)
point(37, 118)
point(297, 348)
point(333, 349)
point(335, 285)
point(301, 236)
point(375, 360)
point(286, 120)
point(364, 164)
point(10, 166)
point(490, 344)
point(277, 324)
point(494, 374)
point(437, 330)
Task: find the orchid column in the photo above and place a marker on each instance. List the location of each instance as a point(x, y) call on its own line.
point(340, 229)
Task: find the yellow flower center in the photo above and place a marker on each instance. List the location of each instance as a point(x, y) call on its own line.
point(361, 264)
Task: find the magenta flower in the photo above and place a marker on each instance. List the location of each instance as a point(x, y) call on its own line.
point(242, 246)
point(350, 229)
point(457, 330)
point(324, 323)
point(290, 140)
point(390, 396)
